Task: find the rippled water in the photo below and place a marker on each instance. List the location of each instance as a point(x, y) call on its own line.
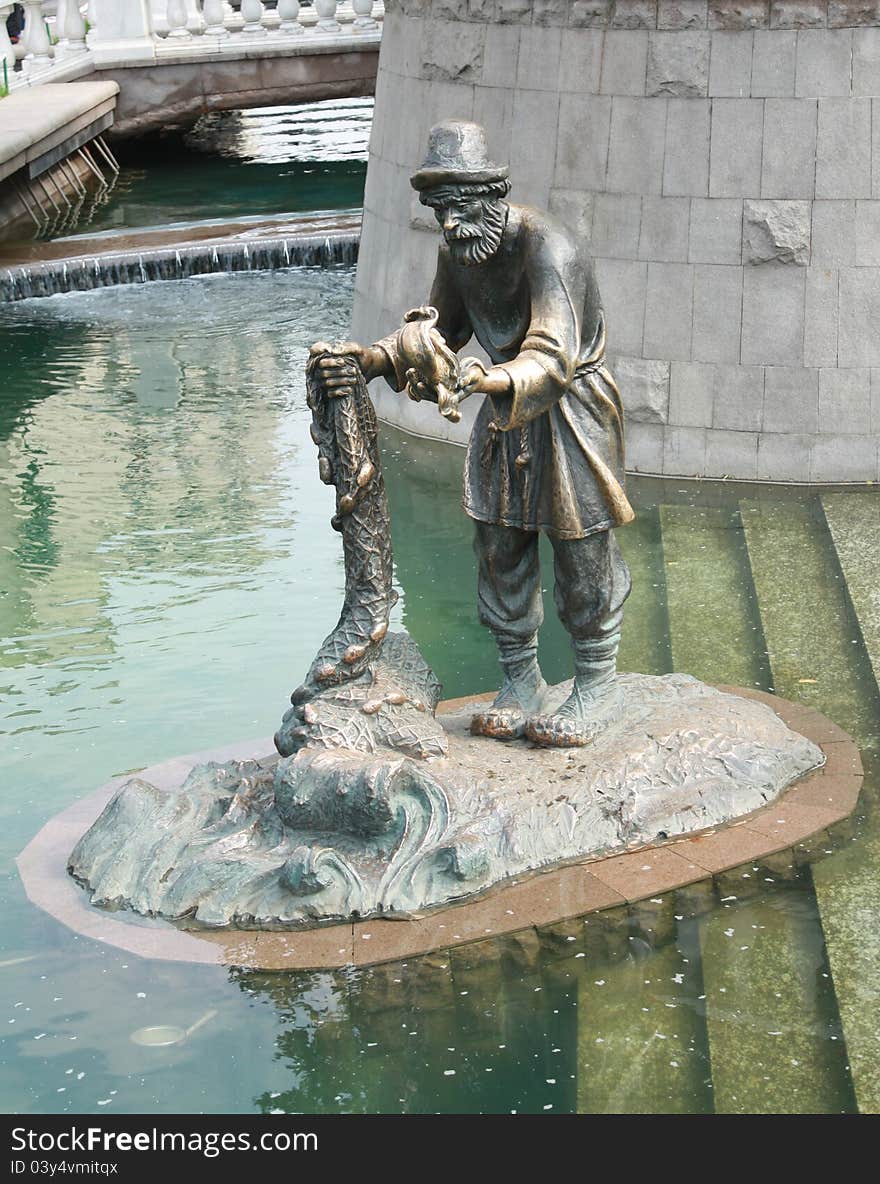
point(330, 132)
point(166, 573)
point(243, 164)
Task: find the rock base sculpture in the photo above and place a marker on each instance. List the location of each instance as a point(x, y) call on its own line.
point(327, 835)
point(375, 807)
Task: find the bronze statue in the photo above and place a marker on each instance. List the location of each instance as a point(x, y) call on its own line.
point(376, 806)
point(547, 448)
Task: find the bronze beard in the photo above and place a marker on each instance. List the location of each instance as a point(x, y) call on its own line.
point(477, 242)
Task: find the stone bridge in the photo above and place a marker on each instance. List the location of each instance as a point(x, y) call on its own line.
point(175, 60)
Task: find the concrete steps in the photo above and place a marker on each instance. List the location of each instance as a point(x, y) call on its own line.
point(644, 645)
point(854, 524)
point(813, 640)
point(761, 969)
point(713, 626)
point(641, 1037)
point(769, 1013)
point(817, 657)
point(848, 884)
point(847, 887)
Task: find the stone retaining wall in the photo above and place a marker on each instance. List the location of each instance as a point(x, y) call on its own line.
point(724, 160)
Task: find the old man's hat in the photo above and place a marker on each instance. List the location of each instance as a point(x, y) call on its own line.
point(457, 154)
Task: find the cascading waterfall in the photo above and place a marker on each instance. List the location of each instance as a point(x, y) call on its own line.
point(54, 276)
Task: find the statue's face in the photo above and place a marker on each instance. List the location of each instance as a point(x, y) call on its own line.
point(472, 224)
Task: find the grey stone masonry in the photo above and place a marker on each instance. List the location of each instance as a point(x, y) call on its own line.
point(647, 387)
point(735, 153)
point(666, 15)
point(723, 159)
point(686, 153)
point(730, 73)
point(788, 156)
point(678, 64)
point(776, 232)
point(682, 14)
point(717, 313)
point(773, 64)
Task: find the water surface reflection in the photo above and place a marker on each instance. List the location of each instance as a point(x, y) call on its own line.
point(166, 571)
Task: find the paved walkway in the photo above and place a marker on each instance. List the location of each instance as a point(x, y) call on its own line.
point(36, 133)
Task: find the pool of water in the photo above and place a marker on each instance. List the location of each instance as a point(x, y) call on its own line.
point(167, 571)
point(234, 165)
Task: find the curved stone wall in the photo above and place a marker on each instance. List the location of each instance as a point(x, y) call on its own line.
point(724, 159)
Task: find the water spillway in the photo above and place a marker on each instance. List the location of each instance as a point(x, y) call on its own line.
point(84, 273)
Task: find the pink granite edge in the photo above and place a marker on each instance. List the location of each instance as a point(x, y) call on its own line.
point(38, 864)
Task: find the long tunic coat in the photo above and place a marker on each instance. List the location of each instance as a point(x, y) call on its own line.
point(552, 456)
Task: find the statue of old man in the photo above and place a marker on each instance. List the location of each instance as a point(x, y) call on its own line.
point(547, 449)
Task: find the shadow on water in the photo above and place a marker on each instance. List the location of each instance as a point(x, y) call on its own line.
point(599, 1015)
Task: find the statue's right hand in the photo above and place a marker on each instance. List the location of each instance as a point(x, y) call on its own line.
point(334, 367)
point(335, 374)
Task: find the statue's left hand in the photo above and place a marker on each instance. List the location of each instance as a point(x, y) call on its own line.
point(476, 378)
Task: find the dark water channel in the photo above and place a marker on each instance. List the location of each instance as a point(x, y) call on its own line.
point(166, 573)
point(238, 166)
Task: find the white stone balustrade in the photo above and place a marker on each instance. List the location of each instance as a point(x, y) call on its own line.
point(7, 49)
point(121, 32)
point(181, 21)
point(113, 33)
point(167, 16)
point(37, 46)
point(214, 12)
point(70, 29)
point(288, 11)
point(176, 17)
point(363, 19)
point(326, 10)
point(252, 12)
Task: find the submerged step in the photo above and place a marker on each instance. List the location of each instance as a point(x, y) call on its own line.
point(81, 274)
point(813, 640)
point(848, 884)
point(817, 658)
point(713, 627)
point(854, 523)
point(847, 887)
point(762, 980)
point(775, 1045)
point(644, 645)
point(641, 1038)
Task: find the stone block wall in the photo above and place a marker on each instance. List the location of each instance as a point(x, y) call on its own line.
point(724, 160)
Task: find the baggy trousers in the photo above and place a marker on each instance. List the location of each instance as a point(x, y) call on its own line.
point(592, 582)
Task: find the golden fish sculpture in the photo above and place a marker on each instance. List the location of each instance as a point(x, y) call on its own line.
point(428, 362)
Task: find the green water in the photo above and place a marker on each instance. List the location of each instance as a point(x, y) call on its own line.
point(266, 162)
point(166, 573)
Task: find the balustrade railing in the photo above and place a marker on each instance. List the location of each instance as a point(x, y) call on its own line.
point(184, 20)
point(288, 13)
point(7, 49)
point(57, 37)
point(38, 51)
point(70, 27)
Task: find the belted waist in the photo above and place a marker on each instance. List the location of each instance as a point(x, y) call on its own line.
point(594, 362)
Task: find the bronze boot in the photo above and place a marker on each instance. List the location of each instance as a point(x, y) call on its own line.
point(594, 701)
point(521, 695)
